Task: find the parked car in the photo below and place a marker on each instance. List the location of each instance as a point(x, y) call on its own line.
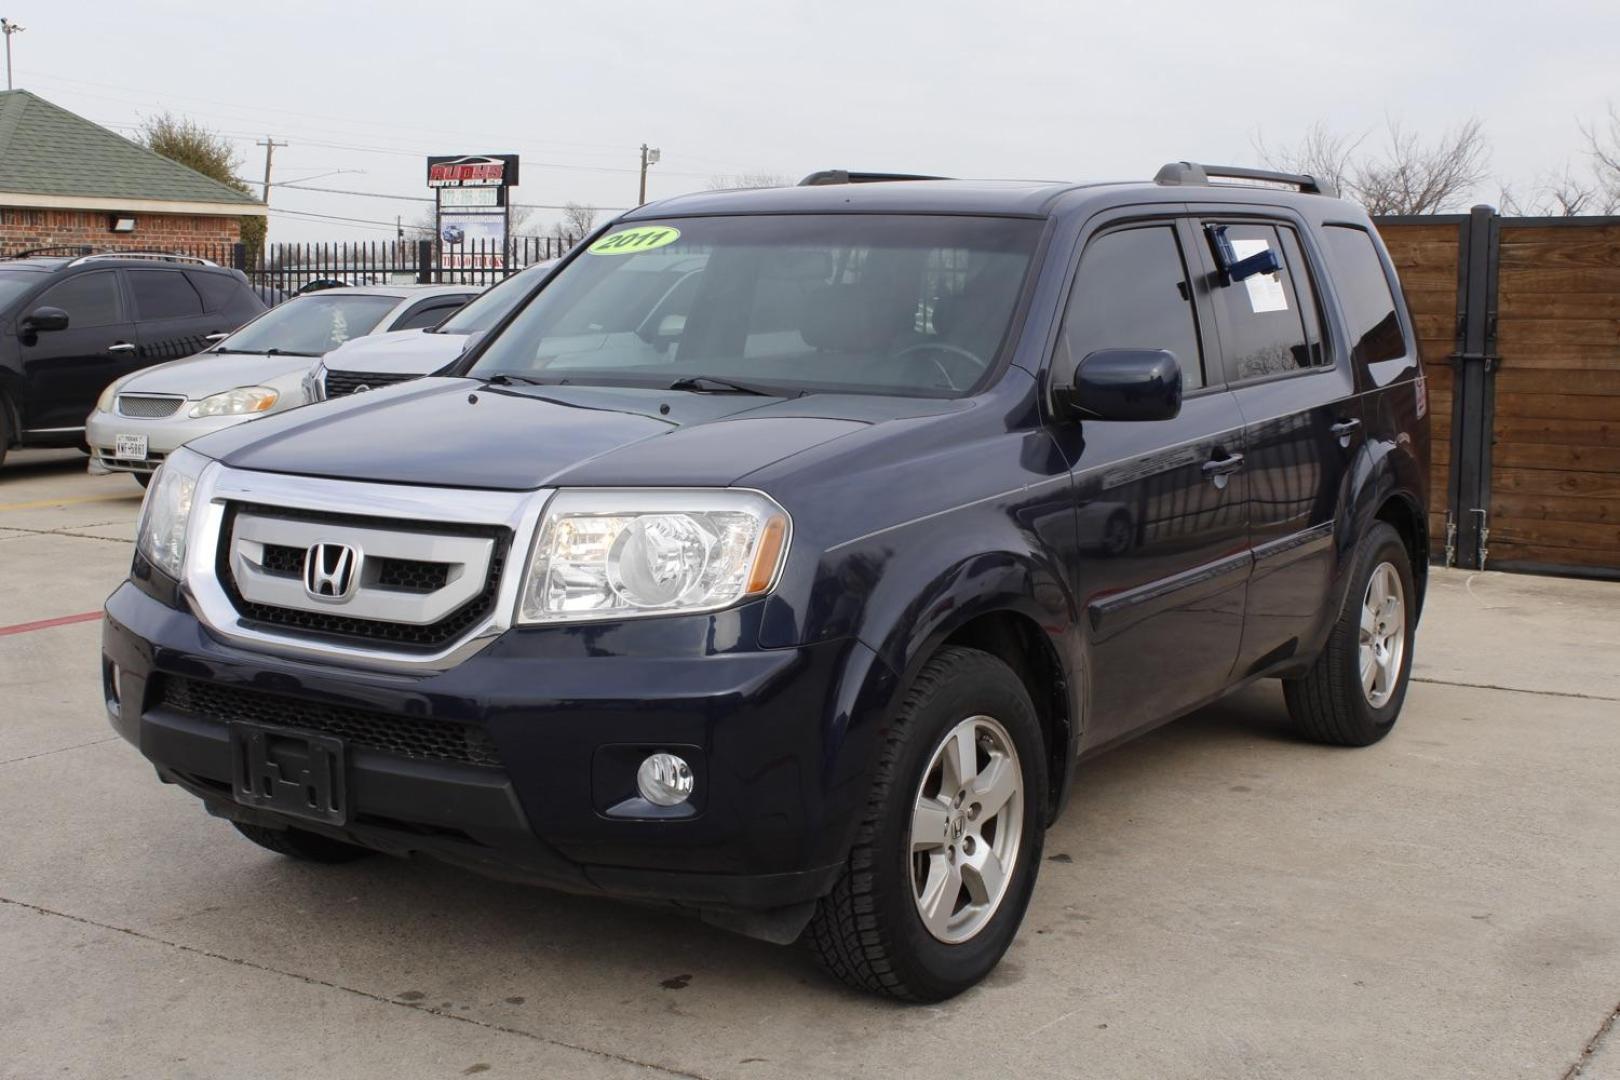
point(143, 417)
point(70, 324)
point(781, 609)
point(378, 360)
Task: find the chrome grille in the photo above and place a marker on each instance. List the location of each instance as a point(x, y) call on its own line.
point(148, 406)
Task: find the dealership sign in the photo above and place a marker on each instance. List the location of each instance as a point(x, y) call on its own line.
point(473, 170)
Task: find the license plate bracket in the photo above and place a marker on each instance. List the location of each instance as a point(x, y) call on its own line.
point(289, 772)
point(129, 447)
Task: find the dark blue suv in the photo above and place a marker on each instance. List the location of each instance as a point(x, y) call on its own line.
point(782, 552)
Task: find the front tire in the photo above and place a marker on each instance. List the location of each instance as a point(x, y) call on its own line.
point(302, 845)
point(1353, 694)
point(142, 478)
point(944, 862)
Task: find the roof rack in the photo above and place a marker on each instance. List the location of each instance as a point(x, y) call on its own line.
point(155, 256)
point(844, 176)
point(1192, 173)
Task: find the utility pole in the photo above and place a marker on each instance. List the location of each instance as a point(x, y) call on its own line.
point(269, 145)
point(649, 156)
point(9, 28)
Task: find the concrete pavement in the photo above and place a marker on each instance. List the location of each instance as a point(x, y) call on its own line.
point(1219, 900)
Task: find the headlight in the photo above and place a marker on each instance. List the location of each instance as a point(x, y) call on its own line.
point(623, 554)
point(166, 513)
point(315, 383)
point(104, 403)
point(242, 400)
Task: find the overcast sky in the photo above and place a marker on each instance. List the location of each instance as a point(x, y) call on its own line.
point(1013, 89)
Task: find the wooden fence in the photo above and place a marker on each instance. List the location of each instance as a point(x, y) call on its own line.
point(1518, 321)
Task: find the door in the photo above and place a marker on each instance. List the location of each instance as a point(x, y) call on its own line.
point(1163, 559)
point(170, 319)
point(66, 370)
point(1303, 427)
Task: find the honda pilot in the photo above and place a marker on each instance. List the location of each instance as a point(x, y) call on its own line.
point(780, 554)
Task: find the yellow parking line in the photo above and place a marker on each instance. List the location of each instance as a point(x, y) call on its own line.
point(38, 504)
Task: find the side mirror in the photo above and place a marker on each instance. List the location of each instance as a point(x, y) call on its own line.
point(1127, 384)
point(43, 319)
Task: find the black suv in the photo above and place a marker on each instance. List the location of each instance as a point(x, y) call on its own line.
point(782, 552)
point(70, 324)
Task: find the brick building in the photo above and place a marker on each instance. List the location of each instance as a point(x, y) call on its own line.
point(67, 181)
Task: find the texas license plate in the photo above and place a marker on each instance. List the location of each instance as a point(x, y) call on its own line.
point(130, 448)
point(288, 772)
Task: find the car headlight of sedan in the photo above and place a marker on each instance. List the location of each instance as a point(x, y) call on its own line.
point(104, 403)
point(623, 554)
point(238, 402)
point(166, 513)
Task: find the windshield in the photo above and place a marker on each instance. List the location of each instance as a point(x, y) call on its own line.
point(852, 303)
point(491, 306)
point(313, 324)
point(13, 283)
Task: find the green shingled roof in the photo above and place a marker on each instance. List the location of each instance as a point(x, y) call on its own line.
point(46, 150)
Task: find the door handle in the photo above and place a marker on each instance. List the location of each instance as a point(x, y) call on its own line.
point(1223, 466)
point(1346, 428)
point(121, 347)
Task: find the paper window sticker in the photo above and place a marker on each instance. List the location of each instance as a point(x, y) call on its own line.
point(1266, 291)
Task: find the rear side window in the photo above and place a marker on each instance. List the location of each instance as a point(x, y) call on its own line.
point(88, 299)
point(1269, 323)
point(163, 294)
point(1131, 292)
point(1364, 293)
point(425, 315)
point(219, 291)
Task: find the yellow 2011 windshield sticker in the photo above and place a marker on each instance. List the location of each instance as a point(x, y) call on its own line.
point(632, 241)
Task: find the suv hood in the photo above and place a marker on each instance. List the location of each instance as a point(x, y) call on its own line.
point(398, 352)
point(452, 432)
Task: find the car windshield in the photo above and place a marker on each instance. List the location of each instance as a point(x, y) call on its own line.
point(892, 304)
point(490, 307)
point(310, 325)
point(13, 283)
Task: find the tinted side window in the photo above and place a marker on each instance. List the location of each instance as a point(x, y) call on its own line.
point(1131, 292)
point(218, 291)
point(1263, 328)
point(88, 299)
point(1369, 306)
point(163, 294)
point(425, 315)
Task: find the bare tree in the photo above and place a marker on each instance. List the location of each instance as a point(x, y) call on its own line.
point(1405, 176)
point(577, 220)
point(1603, 147)
point(733, 181)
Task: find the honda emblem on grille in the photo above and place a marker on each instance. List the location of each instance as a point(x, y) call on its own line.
point(361, 389)
point(331, 571)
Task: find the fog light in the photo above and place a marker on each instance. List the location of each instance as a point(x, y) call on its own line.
point(664, 780)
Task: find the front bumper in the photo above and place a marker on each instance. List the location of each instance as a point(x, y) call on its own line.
point(163, 436)
point(778, 740)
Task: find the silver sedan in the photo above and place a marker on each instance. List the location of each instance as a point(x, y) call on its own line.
point(258, 370)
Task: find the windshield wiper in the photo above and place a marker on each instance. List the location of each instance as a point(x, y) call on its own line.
point(503, 378)
point(712, 384)
point(220, 349)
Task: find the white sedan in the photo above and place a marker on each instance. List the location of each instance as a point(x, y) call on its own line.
point(258, 370)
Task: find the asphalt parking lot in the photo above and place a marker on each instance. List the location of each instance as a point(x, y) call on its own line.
point(1219, 900)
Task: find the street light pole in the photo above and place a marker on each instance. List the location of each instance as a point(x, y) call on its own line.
point(649, 156)
point(8, 28)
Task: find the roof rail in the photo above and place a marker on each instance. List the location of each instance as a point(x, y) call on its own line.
point(154, 256)
point(1192, 173)
point(844, 176)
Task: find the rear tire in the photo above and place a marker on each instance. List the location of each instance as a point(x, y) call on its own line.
point(1353, 694)
point(921, 849)
point(5, 429)
point(305, 846)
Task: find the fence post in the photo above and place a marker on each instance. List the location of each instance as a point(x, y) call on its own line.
point(239, 256)
point(1474, 390)
point(424, 262)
